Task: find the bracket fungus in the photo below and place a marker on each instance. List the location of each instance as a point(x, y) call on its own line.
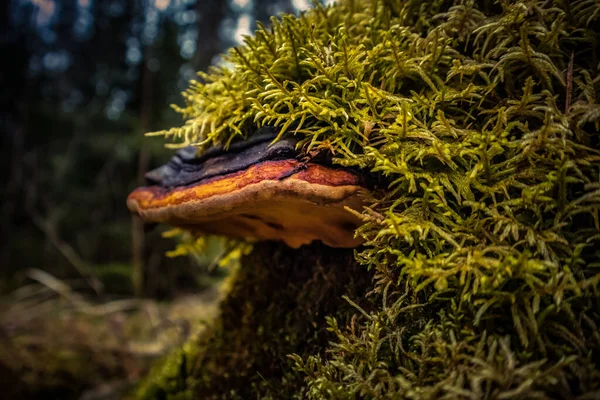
point(255, 189)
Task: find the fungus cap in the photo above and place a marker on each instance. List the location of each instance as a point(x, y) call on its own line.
point(254, 190)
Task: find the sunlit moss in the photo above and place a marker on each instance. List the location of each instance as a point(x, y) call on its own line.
point(212, 250)
point(481, 120)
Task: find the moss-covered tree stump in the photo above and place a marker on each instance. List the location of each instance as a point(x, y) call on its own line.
point(480, 121)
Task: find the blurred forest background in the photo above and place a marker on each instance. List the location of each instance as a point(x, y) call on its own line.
point(88, 299)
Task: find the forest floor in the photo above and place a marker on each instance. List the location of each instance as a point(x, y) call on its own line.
point(60, 343)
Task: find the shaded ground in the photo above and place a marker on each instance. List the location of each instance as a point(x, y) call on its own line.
point(58, 344)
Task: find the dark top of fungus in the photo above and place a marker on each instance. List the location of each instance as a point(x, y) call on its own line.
point(186, 168)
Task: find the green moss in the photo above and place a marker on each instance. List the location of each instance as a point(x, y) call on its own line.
point(481, 122)
point(169, 376)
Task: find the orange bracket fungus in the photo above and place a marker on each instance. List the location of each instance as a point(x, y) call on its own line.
point(255, 189)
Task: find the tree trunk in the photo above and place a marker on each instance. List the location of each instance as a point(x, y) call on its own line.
point(137, 226)
point(277, 306)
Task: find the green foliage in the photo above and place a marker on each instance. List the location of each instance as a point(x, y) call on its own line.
point(209, 250)
point(482, 121)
